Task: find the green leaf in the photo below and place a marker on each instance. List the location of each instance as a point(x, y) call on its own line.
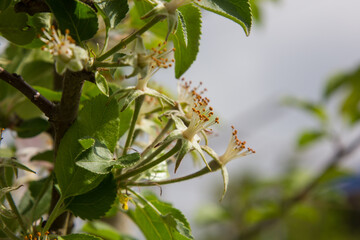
point(127, 160)
point(101, 83)
point(14, 27)
point(338, 81)
point(309, 136)
point(99, 120)
point(187, 38)
point(44, 156)
point(87, 143)
point(49, 94)
point(12, 162)
point(95, 204)
point(78, 236)
point(115, 10)
point(159, 220)
point(4, 4)
point(32, 127)
point(38, 22)
point(97, 159)
point(237, 10)
point(76, 16)
point(104, 230)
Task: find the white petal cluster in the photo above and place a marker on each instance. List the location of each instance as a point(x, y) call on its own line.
point(67, 54)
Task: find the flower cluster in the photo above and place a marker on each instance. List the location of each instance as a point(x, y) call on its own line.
point(202, 117)
point(169, 10)
point(67, 54)
point(146, 63)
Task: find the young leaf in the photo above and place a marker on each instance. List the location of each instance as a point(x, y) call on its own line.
point(127, 160)
point(87, 143)
point(76, 16)
point(102, 84)
point(97, 159)
point(14, 27)
point(237, 10)
point(32, 127)
point(94, 204)
point(187, 38)
point(78, 236)
point(98, 119)
point(115, 10)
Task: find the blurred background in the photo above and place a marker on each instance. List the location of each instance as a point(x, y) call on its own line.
point(277, 88)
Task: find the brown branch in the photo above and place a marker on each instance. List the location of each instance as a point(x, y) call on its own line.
point(66, 114)
point(288, 203)
point(46, 106)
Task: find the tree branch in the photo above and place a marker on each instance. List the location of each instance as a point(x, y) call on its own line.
point(46, 106)
point(288, 203)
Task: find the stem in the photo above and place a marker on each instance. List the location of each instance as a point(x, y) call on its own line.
point(158, 138)
point(138, 103)
point(11, 202)
point(199, 173)
point(54, 214)
point(154, 154)
point(38, 198)
point(174, 150)
point(131, 37)
point(108, 64)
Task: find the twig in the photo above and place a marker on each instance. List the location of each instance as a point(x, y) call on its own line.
point(288, 203)
point(46, 106)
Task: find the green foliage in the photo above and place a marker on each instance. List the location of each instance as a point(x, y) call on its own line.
point(4, 4)
point(159, 220)
point(237, 10)
point(93, 170)
point(95, 203)
point(187, 38)
point(101, 83)
point(98, 119)
point(309, 136)
point(36, 201)
point(32, 127)
point(114, 10)
point(104, 231)
point(348, 81)
point(76, 16)
point(97, 159)
point(16, 30)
